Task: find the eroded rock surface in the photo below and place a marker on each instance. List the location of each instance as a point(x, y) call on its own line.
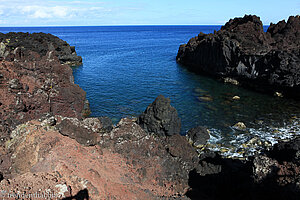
point(41, 43)
point(33, 82)
point(241, 50)
point(160, 118)
point(126, 163)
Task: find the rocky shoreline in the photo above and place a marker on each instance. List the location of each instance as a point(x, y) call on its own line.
point(243, 54)
point(49, 144)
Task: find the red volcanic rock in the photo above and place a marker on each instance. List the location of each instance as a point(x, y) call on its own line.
point(33, 85)
point(127, 163)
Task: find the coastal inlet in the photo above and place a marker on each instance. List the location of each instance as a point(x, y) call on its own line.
point(125, 68)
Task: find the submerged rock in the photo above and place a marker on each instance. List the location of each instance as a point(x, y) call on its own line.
point(240, 126)
point(160, 118)
point(205, 98)
point(236, 98)
point(242, 53)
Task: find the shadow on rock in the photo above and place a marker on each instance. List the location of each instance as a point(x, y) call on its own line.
point(81, 195)
point(221, 178)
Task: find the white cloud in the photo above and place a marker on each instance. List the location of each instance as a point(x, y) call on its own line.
point(44, 12)
point(55, 12)
point(62, 12)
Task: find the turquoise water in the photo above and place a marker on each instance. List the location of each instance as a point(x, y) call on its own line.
point(125, 68)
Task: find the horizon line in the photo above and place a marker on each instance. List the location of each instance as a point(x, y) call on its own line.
point(31, 26)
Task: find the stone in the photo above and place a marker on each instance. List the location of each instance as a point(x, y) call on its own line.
point(236, 98)
point(160, 118)
point(198, 136)
point(107, 124)
point(231, 81)
point(278, 94)
point(79, 130)
point(240, 126)
point(205, 98)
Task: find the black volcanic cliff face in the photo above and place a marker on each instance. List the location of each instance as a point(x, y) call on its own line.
point(40, 43)
point(266, 61)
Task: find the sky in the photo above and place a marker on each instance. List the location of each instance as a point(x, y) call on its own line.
point(140, 12)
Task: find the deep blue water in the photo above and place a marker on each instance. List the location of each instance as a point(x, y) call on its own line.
point(126, 67)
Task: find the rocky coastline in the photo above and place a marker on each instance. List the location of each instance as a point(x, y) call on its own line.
point(50, 146)
point(242, 53)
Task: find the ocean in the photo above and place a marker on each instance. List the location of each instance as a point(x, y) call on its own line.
point(126, 67)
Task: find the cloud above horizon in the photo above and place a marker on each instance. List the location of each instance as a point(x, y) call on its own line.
point(121, 12)
point(34, 12)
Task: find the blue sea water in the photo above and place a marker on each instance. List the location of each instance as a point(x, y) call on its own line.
point(126, 67)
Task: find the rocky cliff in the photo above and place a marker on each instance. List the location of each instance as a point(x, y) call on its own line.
point(40, 43)
point(33, 81)
point(241, 50)
point(49, 149)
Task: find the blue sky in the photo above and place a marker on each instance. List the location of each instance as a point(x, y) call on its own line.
point(139, 12)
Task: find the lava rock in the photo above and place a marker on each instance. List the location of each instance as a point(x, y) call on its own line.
point(198, 136)
point(34, 82)
point(241, 51)
point(160, 118)
point(107, 124)
point(240, 126)
point(75, 129)
point(287, 151)
point(18, 43)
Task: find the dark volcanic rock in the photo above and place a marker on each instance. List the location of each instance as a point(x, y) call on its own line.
point(265, 61)
point(40, 43)
point(160, 118)
point(287, 151)
point(128, 163)
point(198, 135)
point(168, 160)
point(107, 124)
point(272, 175)
point(79, 130)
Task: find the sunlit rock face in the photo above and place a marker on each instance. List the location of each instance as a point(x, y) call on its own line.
point(265, 61)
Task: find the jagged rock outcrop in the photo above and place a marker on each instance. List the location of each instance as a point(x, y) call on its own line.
point(41, 43)
point(274, 174)
point(241, 50)
point(160, 118)
point(198, 136)
point(34, 82)
point(125, 163)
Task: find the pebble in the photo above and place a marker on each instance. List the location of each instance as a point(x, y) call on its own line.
point(236, 98)
point(205, 98)
point(278, 94)
point(230, 80)
point(240, 126)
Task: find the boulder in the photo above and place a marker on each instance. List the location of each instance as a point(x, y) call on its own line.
point(198, 136)
point(160, 118)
